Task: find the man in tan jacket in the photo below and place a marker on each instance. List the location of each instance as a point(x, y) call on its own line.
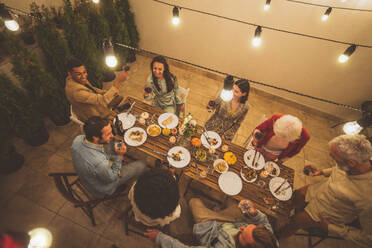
point(87, 100)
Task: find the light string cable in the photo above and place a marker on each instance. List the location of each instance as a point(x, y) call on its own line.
point(251, 81)
point(13, 10)
point(265, 27)
point(327, 6)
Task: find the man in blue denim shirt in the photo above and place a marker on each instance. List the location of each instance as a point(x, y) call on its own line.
point(98, 163)
point(225, 229)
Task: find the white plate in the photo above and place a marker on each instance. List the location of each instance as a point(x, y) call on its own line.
point(246, 179)
point(284, 195)
point(135, 142)
point(248, 159)
point(230, 183)
point(269, 166)
point(185, 160)
point(165, 116)
point(218, 161)
point(127, 120)
point(211, 135)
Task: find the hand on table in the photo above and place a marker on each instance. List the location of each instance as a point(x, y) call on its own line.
point(151, 234)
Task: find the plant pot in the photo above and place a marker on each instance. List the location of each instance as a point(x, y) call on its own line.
point(38, 138)
point(131, 56)
point(59, 120)
point(28, 38)
point(11, 162)
point(108, 76)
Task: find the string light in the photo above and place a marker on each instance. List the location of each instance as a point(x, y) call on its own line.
point(352, 128)
point(326, 14)
point(40, 238)
point(176, 16)
point(348, 52)
point(256, 41)
point(95, 1)
point(226, 93)
point(9, 22)
point(108, 50)
point(267, 5)
point(237, 77)
point(326, 6)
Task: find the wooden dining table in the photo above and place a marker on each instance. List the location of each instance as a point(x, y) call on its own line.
point(257, 191)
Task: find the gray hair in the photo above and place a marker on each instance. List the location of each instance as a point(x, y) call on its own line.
point(355, 147)
point(288, 127)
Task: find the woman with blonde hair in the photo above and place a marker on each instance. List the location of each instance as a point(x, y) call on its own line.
point(280, 137)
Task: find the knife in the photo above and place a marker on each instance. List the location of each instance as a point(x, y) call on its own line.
point(280, 191)
point(163, 154)
point(130, 108)
point(206, 136)
point(281, 185)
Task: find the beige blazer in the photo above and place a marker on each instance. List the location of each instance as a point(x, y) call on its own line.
point(86, 103)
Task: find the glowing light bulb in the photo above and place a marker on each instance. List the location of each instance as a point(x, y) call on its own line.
point(267, 7)
point(111, 61)
point(256, 41)
point(12, 25)
point(40, 238)
point(326, 14)
point(226, 95)
point(343, 58)
point(343, 1)
point(352, 128)
point(176, 21)
point(95, 1)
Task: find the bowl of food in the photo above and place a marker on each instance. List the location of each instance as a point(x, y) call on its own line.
point(272, 168)
point(248, 174)
point(153, 130)
point(201, 155)
point(220, 166)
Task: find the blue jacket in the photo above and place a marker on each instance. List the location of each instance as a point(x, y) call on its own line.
point(210, 234)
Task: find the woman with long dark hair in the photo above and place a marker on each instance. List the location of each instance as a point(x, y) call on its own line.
point(162, 87)
point(228, 116)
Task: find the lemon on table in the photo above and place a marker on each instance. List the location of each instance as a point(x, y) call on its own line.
point(166, 131)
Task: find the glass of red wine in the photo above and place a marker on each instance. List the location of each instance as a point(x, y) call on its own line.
point(211, 105)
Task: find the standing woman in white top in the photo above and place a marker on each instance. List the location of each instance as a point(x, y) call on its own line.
point(162, 87)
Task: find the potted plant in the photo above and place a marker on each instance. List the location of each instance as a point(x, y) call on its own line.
point(52, 44)
point(10, 160)
point(48, 95)
point(82, 44)
point(27, 34)
point(118, 28)
point(25, 121)
point(127, 16)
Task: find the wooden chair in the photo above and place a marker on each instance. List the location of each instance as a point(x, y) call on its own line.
point(131, 225)
point(75, 119)
point(317, 233)
point(69, 185)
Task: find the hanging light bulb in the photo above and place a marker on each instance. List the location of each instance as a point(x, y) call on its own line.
point(12, 25)
point(256, 41)
point(348, 52)
point(40, 238)
point(9, 21)
point(343, 1)
point(176, 16)
point(326, 14)
point(226, 93)
point(352, 127)
point(267, 5)
point(95, 1)
point(108, 51)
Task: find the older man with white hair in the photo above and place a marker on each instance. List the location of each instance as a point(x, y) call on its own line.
point(280, 137)
point(346, 197)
